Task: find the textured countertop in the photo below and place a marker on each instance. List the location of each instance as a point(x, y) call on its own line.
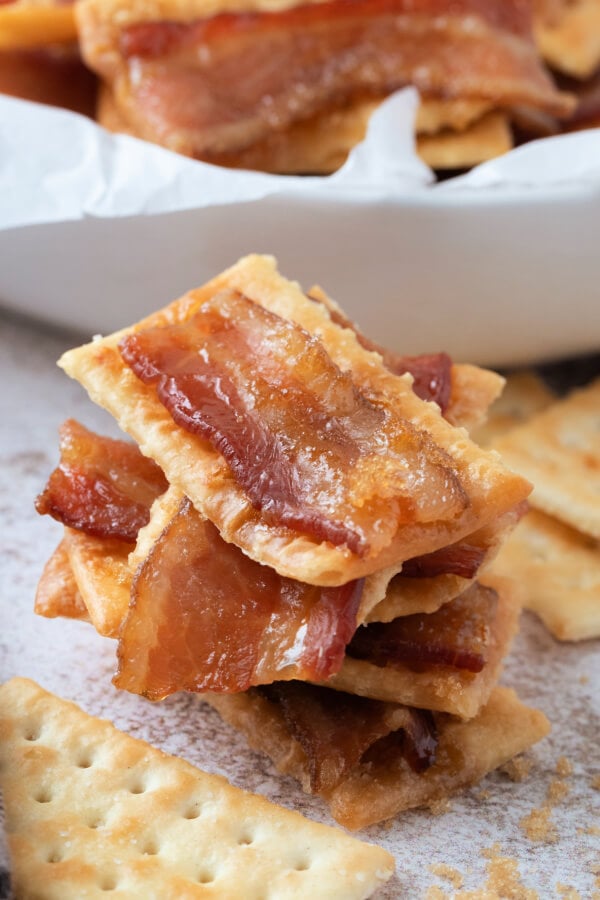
point(560, 795)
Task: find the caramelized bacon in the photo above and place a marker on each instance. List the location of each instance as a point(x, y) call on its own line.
point(457, 635)
point(205, 617)
point(101, 486)
point(338, 731)
point(461, 559)
point(310, 451)
point(219, 85)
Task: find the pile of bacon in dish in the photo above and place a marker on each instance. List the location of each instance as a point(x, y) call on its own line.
point(289, 87)
point(303, 540)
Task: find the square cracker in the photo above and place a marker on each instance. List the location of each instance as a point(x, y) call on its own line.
point(201, 473)
point(486, 139)
point(558, 570)
point(559, 451)
point(467, 751)
point(569, 39)
point(525, 394)
point(91, 810)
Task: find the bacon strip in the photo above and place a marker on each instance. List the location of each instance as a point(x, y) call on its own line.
point(310, 450)
point(461, 559)
point(219, 85)
point(205, 617)
point(338, 731)
point(457, 635)
point(102, 486)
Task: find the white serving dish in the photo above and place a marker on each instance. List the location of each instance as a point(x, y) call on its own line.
point(496, 269)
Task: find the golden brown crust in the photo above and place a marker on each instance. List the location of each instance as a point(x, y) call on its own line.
point(467, 751)
point(101, 570)
point(489, 137)
point(202, 474)
point(57, 591)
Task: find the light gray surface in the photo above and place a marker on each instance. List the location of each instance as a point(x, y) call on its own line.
point(71, 660)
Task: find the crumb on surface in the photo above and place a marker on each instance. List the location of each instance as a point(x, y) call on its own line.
point(584, 679)
point(596, 782)
point(537, 826)
point(567, 892)
point(518, 768)
point(564, 766)
point(447, 872)
point(436, 893)
point(557, 791)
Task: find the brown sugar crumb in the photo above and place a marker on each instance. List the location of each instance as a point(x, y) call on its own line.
point(483, 795)
point(584, 679)
point(564, 766)
point(596, 782)
point(517, 769)
point(557, 791)
point(569, 893)
point(439, 807)
point(447, 872)
point(436, 893)
point(537, 826)
point(503, 881)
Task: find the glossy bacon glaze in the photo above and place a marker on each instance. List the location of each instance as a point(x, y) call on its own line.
point(457, 635)
point(206, 617)
point(310, 450)
point(213, 86)
point(102, 486)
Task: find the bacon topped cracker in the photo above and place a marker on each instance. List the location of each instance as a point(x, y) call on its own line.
point(216, 80)
point(480, 487)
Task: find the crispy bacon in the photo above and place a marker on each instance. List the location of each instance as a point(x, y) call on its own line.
point(461, 559)
point(205, 617)
point(457, 635)
point(310, 451)
point(219, 85)
point(102, 486)
point(338, 731)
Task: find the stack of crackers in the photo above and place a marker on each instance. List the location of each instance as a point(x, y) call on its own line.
point(290, 87)
point(304, 540)
point(554, 553)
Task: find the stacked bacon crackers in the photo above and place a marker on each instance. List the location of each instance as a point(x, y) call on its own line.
point(302, 540)
point(289, 86)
